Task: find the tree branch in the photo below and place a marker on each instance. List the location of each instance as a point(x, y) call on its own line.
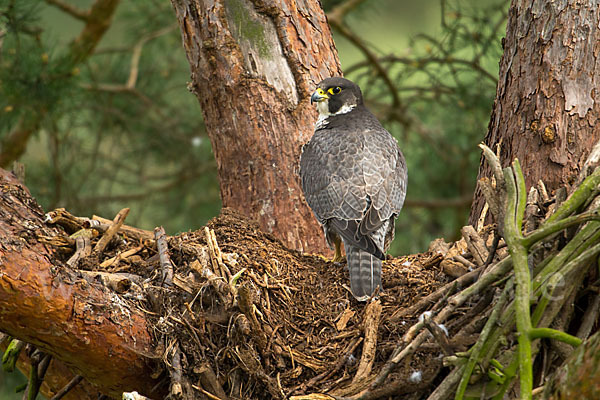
point(47, 306)
point(98, 21)
point(70, 9)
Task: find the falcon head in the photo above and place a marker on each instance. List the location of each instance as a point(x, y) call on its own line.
point(336, 96)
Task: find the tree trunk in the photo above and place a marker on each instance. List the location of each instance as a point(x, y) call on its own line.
point(545, 108)
point(49, 307)
point(253, 66)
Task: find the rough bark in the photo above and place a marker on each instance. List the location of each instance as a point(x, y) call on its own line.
point(83, 325)
point(546, 110)
point(579, 377)
point(253, 66)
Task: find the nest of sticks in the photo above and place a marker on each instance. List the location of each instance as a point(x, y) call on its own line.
point(237, 315)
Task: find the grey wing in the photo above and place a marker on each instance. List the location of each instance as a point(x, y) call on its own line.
point(386, 187)
point(333, 185)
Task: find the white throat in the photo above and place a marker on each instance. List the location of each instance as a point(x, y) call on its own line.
point(324, 114)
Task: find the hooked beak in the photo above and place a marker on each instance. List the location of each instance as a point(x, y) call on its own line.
point(318, 96)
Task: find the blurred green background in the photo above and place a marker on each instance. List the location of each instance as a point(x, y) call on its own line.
point(94, 145)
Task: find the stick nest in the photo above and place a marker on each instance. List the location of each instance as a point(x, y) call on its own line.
point(245, 317)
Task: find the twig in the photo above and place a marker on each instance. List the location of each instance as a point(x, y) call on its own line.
point(62, 217)
point(515, 206)
point(119, 283)
point(408, 345)
point(475, 244)
point(67, 388)
point(589, 318)
point(478, 347)
point(134, 233)
point(592, 162)
point(120, 257)
point(219, 283)
point(340, 11)
point(496, 272)
point(578, 197)
point(215, 254)
point(492, 252)
point(449, 288)
point(422, 62)
point(550, 228)
point(11, 354)
point(531, 210)
point(163, 253)
point(248, 309)
point(464, 262)
point(341, 361)
point(444, 389)
point(134, 396)
point(207, 394)
point(543, 192)
point(111, 232)
point(336, 20)
point(439, 335)
point(83, 249)
point(371, 326)
point(549, 333)
point(70, 9)
point(176, 387)
point(137, 53)
point(39, 366)
point(209, 380)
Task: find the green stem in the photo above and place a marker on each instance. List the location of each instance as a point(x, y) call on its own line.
point(588, 235)
point(11, 355)
point(496, 273)
point(512, 234)
point(549, 229)
point(549, 333)
point(478, 347)
point(521, 196)
point(509, 374)
point(578, 197)
point(581, 261)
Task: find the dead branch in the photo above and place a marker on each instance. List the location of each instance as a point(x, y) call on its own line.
point(62, 217)
point(111, 232)
point(165, 260)
point(120, 257)
point(475, 244)
point(134, 233)
point(440, 335)
point(371, 326)
point(431, 299)
point(120, 283)
point(83, 249)
point(72, 383)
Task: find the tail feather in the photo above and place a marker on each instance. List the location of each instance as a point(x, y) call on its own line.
point(365, 272)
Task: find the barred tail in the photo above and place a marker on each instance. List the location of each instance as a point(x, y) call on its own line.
point(365, 272)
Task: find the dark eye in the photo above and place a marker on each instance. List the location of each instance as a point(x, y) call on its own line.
point(335, 90)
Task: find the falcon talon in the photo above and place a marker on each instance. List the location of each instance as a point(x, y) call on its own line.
point(354, 179)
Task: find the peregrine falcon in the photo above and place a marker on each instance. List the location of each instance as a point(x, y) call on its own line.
point(354, 179)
